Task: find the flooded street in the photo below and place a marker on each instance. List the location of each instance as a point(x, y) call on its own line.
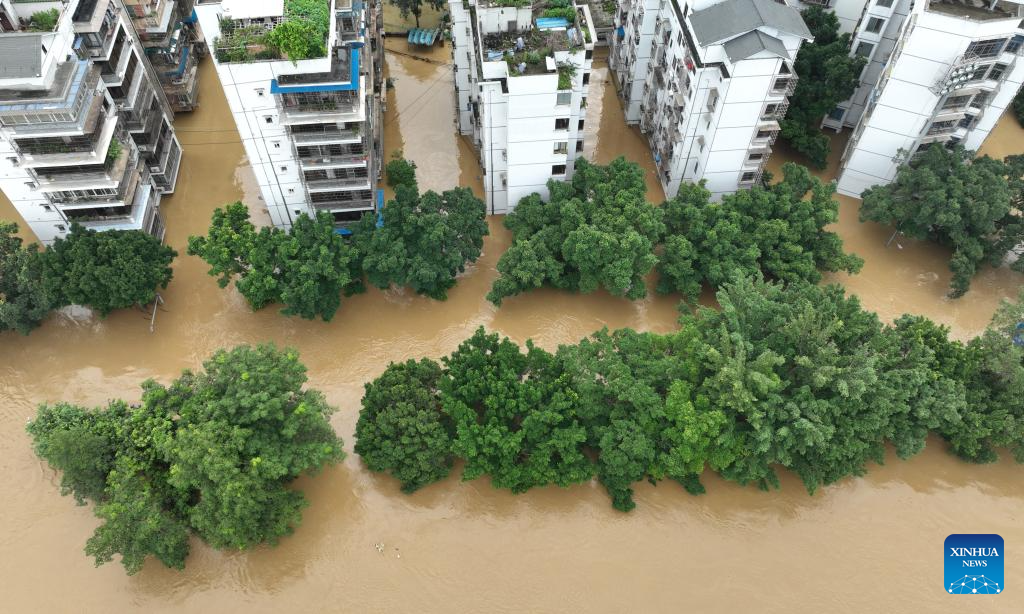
point(457, 547)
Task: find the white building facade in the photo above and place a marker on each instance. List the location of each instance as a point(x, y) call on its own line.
point(939, 72)
point(312, 129)
point(708, 83)
point(85, 130)
point(521, 88)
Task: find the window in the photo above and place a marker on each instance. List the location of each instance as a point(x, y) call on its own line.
point(557, 169)
point(769, 112)
point(712, 100)
point(298, 213)
point(980, 99)
point(583, 102)
point(268, 118)
point(884, 3)
point(748, 177)
point(60, 227)
point(563, 98)
point(940, 127)
point(47, 208)
point(562, 123)
point(1015, 44)
point(997, 72)
point(955, 102)
point(784, 69)
point(589, 54)
point(580, 125)
point(986, 48)
point(696, 165)
point(579, 146)
point(781, 85)
point(864, 49)
point(700, 143)
point(755, 157)
point(837, 114)
point(291, 190)
point(586, 78)
point(277, 144)
point(967, 122)
point(875, 25)
point(763, 134)
point(260, 91)
point(561, 148)
point(284, 169)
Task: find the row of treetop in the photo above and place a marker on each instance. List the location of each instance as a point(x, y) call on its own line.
point(595, 231)
point(797, 377)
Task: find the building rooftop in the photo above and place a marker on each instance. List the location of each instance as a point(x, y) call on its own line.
point(20, 56)
point(728, 19)
point(752, 43)
point(252, 9)
point(976, 10)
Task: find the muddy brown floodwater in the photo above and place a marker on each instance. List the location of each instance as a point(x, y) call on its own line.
point(861, 544)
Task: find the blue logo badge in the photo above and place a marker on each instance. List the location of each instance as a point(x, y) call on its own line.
point(974, 564)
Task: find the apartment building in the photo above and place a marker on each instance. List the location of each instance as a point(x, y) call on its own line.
point(521, 83)
point(167, 29)
point(311, 128)
point(85, 131)
point(940, 71)
point(707, 81)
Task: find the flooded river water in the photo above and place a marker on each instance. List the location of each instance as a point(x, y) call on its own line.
point(467, 547)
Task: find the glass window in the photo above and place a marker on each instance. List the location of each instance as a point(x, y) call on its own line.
point(558, 169)
point(875, 25)
point(884, 3)
point(561, 148)
point(864, 49)
point(563, 98)
point(562, 123)
point(986, 48)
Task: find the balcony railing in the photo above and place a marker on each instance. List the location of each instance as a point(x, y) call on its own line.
point(335, 184)
point(326, 137)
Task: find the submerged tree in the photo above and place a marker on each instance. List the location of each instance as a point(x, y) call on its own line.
point(213, 453)
point(773, 230)
point(107, 270)
point(426, 240)
point(402, 428)
point(948, 196)
point(595, 231)
point(306, 268)
point(828, 75)
point(25, 298)
point(415, 7)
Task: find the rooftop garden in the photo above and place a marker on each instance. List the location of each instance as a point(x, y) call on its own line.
point(43, 21)
point(301, 35)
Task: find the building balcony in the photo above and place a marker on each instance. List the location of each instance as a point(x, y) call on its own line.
point(106, 175)
point(337, 185)
point(338, 202)
point(74, 154)
point(324, 163)
point(329, 136)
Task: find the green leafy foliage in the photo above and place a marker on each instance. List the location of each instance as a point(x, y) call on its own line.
point(25, 299)
point(795, 376)
point(107, 270)
point(402, 429)
point(968, 204)
point(306, 268)
point(415, 7)
point(211, 454)
point(1018, 107)
point(828, 75)
point(43, 21)
point(426, 239)
point(303, 33)
point(596, 231)
point(773, 230)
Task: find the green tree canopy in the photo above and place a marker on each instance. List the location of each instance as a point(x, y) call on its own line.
point(772, 230)
point(402, 428)
point(828, 75)
point(426, 239)
point(211, 454)
point(25, 299)
point(107, 270)
point(949, 196)
point(306, 268)
point(303, 33)
point(596, 231)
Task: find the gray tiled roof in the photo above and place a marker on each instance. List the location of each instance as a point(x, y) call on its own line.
point(746, 45)
point(21, 55)
point(725, 20)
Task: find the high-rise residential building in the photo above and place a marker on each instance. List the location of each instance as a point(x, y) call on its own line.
point(707, 81)
point(85, 130)
point(940, 71)
point(521, 84)
point(311, 127)
point(167, 29)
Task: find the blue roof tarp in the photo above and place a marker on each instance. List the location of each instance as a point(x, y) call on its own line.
point(353, 81)
point(423, 36)
point(552, 23)
point(621, 32)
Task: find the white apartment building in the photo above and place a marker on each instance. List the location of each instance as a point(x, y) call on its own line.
point(167, 29)
point(521, 85)
point(849, 12)
point(312, 128)
point(708, 82)
point(940, 71)
point(85, 131)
